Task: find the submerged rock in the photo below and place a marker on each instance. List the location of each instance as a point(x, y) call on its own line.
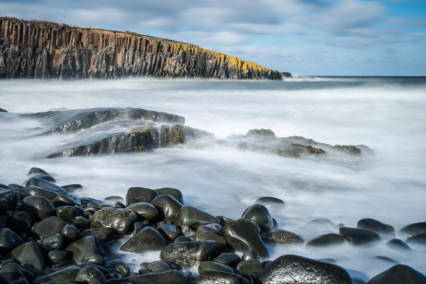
point(375, 225)
point(294, 269)
point(147, 239)
point(399, 274)
point(358, 236)
point(118, 219)
point(414, 229)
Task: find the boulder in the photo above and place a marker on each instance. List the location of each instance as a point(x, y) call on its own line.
point(193, 217)
point(358, 236)
point(140, 194)
point(121, 220)
point(259, 214)
point(147, 239)
point(399, 274)
point(144, 210)
point(49, 226)
point(244, 235)
point(326, 240)
point(38, 206)
point(209, 277)
point(173, 192)
point(414, 229)
point(377, 226)
point(168, 206)
point(215, 266)
point(281, 237)
point(8, 240)
point(83, 247)
point(30, 257)
point(293, 269)
point(8, 200)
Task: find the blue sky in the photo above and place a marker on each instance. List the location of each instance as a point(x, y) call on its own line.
point(305, 37)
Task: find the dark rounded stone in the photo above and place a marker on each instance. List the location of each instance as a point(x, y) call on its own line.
point(419, 239)
point(59, 257)
point(209, 277)
point(358, 236)
point(70, 232)
point(52, 242)
point(249, 266)
point(228, 258)
point(81, 222)
point(8, 240)
point(209, 236)
point(270, 202)
point(92, 258)
point(296, 269)
point(90, 274)
point(214, 227)
point(138, 226)
point(191, 253)
point(281, 237)
point(157, 266)
point(38, 206)
point(259, 214)
point(398, 244)
point(169, 277)
point(119, 204)
point(114, 198)
point(399, 274)
point(83, 246)
point(63, 200)
point(8, 200)
point(29, 256)
point(182, 239)
point(13, 273)
point(140, 194)
point(171, 231)
point(49, 226)
point(377, 226)
point(326, 240)
point(36, 171)
point(118, 219)
point(145, 210)
point(173, 192)
point(35, 190)
point(66, 274)
point(22, 221)
point(72, 187)
point(243, 235)
point(16, 187)
point(117, 269)
point(414, 229)
point(103, 234)
point(66, 213)
point(147, 239)
point(215, 266)
point(168, 206)
point(249, 254)
point(193, 217)
point(35, 181)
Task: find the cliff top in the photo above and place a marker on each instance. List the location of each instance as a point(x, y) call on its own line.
point(245, 65)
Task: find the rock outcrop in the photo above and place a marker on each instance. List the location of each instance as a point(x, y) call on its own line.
point(38, 49)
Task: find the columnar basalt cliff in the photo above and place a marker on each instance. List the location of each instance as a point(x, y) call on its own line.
point(36, 49)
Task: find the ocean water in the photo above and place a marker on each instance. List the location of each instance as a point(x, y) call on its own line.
point(387, 115)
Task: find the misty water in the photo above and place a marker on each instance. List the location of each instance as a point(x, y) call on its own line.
point(386, 114)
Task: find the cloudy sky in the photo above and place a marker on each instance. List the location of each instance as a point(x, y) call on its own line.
point(305, 37)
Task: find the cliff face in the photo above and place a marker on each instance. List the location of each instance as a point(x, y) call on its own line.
point(34, 49)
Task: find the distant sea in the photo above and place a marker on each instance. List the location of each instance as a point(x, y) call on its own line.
point(386, 114)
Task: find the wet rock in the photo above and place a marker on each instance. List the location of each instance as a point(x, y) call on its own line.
point(8, 200)
point(170, 277)
point(70, 232)
point(102, 234)
point(171, 231)
point(270, 202)
point(358, 236)
point(173, 192)
point(145, 210)
point(52, 242)
point(90, 274)
point(191, 253)
point(326, 240)
point(38, 206)
point(228, 258)
point(66, 213)
point(282, 237)
point(3, 110)
point(168, 206)
point(63, 200)
point(296, 269)
point(214, 228)
point(249, 266)
point(38, 182)
point(83, 246)
point(30, 257)
point(114, 198)
point(260, 133)
point(140, 194)
point(259, 214)
point(209, 236)
point(419, 239)
point(59, 257)
point(117, 269)
point(249, 254)
point(414, 229)
point(66, 274)
point(398, 274)
point(193, 217)
point(13, 273)
point(157, 266)
point(208, 277)
point(243, 235)
point(49, 226)
point(8, 240)
point(93, 258)
point(398, 244)
point(118, 219)
point(377, 226)
point(72, 187)
point(21, 221)
point(35, 190)
point(215, 266)
point(147, 239)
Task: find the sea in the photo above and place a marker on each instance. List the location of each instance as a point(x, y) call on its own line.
point(385, 114)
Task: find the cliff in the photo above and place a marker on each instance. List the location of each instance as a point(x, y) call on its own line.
point(37, 49)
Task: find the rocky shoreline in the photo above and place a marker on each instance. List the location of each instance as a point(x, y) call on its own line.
point(49, 234)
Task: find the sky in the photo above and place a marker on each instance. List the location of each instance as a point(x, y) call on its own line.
point(304, 37)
